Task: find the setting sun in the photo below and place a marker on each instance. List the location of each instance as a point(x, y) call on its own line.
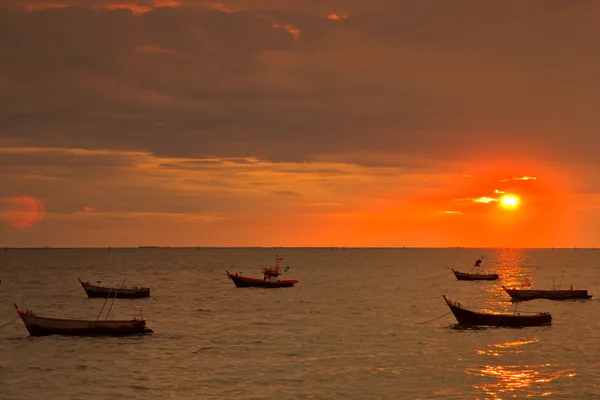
point(509, 201)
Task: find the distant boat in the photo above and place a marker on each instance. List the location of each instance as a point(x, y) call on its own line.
point(270, 278)
point(468, 317)
point(476, 274)
point(548, 294)
point(41, 326)
point(120, 293)
point(148, 247)
point(469, 276)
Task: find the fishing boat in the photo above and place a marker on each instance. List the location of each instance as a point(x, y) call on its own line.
point(470, 276)
point(556, 293)
point(548, 294)
point(476, 274)
point(465, 316)
point(270, 278)
point(120, 293)
point(42, 326)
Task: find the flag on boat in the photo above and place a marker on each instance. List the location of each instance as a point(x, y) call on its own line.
point(279, 258)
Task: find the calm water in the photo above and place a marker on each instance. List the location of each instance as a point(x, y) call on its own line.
point(349, 330)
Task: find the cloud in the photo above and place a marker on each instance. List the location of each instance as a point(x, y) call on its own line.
point(284, 83)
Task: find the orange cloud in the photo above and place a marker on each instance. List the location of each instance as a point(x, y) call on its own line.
point(290, 28)
point(293, 30)
point(223, 8)
point(336, 17)
point(484, 200)
point(522, 178)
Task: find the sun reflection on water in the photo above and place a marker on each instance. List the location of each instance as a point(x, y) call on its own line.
point(513, 269)
point(513, 380)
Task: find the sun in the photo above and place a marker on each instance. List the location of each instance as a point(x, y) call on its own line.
point(509, 201)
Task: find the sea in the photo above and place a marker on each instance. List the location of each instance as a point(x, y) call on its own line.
point(362, 323)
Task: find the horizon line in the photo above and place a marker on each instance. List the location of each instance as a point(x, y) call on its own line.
point(151, 247)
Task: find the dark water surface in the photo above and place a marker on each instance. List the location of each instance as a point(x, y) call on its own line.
point(349, 330)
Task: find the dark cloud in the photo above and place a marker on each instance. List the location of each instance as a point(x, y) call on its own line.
point(443, 81)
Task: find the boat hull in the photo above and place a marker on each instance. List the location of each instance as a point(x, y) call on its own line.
point(42, 326)
point(94, 291)
point(245, 282)
point(465, 276)
point(474, 318)
point(531, 294)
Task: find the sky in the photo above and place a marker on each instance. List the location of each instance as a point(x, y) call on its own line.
point(299, 123)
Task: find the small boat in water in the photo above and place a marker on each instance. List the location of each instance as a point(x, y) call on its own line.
point(469, 276)
point(476, 274)
point(119, 293)
point(270, 278)
point(548, 294)
point(42, 326)
point(465, 316)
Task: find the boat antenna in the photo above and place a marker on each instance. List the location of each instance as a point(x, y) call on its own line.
point(113, 301)
point(561, 278)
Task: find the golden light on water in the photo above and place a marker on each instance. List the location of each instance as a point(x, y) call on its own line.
point(509, 380)
point(512, 267)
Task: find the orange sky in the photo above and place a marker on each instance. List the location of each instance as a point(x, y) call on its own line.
point(272, 123)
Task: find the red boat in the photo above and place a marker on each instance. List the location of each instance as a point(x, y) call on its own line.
point(270, 278)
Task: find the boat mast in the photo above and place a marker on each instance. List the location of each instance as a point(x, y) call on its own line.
point(107, 297)
point(113, 301)
point(561, 279)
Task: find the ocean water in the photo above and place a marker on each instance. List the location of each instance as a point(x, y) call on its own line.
point(361, 324)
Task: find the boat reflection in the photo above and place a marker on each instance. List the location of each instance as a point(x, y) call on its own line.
point(514, 380)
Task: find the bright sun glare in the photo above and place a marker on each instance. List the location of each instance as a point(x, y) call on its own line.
point(509, 201)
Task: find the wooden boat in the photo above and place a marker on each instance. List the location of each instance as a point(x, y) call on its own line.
point(475, 274)
point(465, 316)
point(41, 326)
point(120, 293)
point(270, 278)
point(470, 276)
point(548, 294)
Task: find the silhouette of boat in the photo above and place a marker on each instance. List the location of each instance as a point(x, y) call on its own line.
point(42, 326)
point(548, 294)
point(270, 278)
point(469, 276)
point(475, 274)
point(120, 293)
point(465, 316)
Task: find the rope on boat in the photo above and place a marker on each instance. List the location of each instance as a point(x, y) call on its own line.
point(431, 320)
point(2, 326)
